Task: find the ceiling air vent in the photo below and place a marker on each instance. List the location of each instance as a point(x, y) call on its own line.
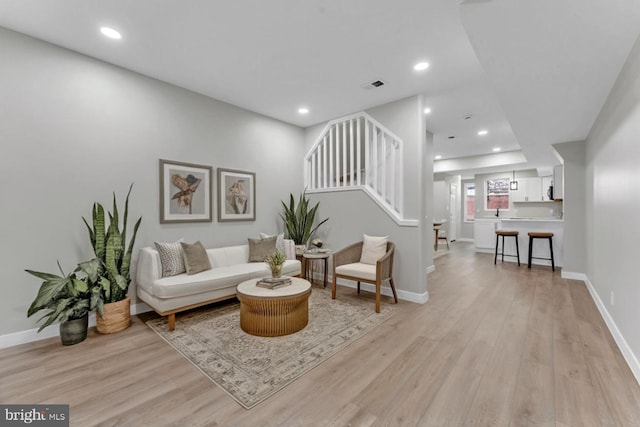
point(374, 84)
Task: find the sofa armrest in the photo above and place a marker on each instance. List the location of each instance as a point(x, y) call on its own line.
point(149, 268)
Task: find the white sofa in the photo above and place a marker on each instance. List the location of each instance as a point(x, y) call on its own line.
point(229, 267)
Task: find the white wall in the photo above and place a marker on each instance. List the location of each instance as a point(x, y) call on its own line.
point(352, 213)
point(466, 228)
point(573, 205)
point(440, 200)
point(74, 129)
point(613, 203)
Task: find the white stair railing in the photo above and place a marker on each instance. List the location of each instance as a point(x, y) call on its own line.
point(357, 152)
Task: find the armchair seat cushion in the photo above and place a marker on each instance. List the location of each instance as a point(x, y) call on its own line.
point(358, 269)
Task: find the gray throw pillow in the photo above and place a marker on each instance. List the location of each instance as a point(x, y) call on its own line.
point(259, 249)
point(171, 258)
point(195, 257)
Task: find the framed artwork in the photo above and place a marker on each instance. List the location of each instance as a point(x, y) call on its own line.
point(185, 192)
point(236, 195)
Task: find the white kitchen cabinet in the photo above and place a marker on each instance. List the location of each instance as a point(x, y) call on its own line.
point(529, 190)
point(484, 233)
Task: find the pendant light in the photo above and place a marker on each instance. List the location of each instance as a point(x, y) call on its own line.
point(513, 185)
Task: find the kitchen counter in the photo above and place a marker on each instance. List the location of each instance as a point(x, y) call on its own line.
point(485, 240)
point(532, 219)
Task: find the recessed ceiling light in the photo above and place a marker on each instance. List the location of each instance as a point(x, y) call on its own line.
point(303, 110)
point(111, 33)
point(496, 149)
point(483, 132)
point(421, 66)
point(438, 157)
point(427, 110)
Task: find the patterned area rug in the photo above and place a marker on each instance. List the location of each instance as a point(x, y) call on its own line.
point(253, 368)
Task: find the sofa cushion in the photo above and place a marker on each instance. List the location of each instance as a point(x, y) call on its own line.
point(195, 257)
point(217, 278)
point(373, 248)
point(171, 258)
point(358, 269)
point(259, 249)
point(279, 240)
point(230, 255)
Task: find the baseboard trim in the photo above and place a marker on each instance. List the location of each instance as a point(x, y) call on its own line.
point(140, 308)
point(31, 335)
point(574, 276)
point(485, 250)
point(465, 239)
point(626, 351)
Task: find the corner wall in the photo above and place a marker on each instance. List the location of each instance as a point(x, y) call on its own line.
point(613, 208)
point(75, 129)
point(573, 206)
point(353, 213)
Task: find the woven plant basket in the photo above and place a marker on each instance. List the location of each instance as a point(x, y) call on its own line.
point(116, 318)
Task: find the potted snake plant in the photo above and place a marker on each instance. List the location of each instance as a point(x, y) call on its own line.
point(111, 266)
point(68, 299)
point(298, 220)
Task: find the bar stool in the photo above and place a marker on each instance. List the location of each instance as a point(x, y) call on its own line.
point(541, 235)
point(507, 233)
point(442, 235)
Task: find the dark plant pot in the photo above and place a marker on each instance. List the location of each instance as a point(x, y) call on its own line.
point(74, 331)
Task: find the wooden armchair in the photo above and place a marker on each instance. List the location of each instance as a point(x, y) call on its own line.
point(347, 265)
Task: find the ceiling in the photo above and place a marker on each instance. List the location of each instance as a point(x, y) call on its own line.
point(532, 73)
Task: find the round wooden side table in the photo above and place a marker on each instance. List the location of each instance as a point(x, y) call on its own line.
point(274, 312)
point(309, 258)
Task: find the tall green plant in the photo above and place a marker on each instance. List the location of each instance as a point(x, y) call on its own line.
point(299, 220)
point(111, 266)
point(65, 297)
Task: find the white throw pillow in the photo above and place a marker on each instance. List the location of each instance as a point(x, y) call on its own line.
point(373, 248)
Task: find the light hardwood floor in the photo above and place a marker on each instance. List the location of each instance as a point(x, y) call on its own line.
point(495, 345)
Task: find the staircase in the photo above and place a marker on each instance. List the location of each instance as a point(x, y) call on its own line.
point(356, 152)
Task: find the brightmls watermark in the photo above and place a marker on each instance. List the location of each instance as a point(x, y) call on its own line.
point(34, 415)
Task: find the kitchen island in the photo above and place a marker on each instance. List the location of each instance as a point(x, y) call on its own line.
point(487, 226)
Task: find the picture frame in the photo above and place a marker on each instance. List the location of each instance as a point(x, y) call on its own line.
point(185, 192)
point(236, 195)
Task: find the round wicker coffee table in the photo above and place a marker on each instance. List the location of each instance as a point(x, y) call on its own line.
point(274, 312)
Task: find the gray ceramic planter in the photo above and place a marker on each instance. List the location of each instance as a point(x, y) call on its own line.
point(74, 331)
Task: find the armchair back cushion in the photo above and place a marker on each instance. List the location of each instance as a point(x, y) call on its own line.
point(373, 248)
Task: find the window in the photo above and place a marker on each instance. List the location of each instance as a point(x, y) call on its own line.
point(469, 201)
point(497, 194)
